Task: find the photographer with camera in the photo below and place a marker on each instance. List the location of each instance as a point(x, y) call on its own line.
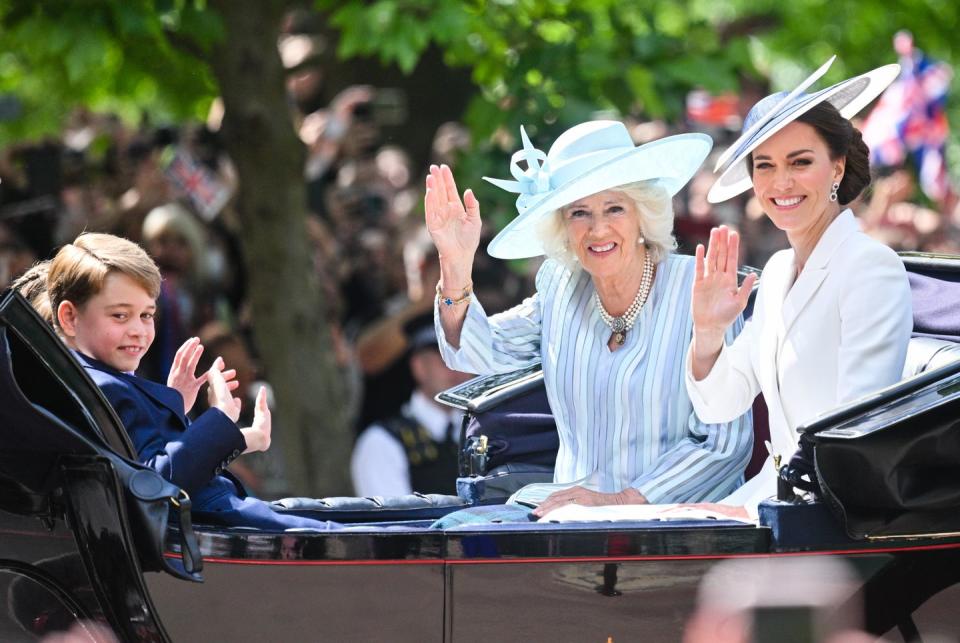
point(325, 132)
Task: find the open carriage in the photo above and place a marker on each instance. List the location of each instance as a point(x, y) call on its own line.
point(88, 535)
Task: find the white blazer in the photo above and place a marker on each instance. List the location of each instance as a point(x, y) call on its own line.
point(835, 333)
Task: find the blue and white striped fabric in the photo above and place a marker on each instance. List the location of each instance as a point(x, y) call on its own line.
point(623, 416)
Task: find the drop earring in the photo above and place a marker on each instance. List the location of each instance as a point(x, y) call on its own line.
point(833, 191)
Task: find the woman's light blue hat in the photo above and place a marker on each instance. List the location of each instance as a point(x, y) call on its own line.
point(776, 111)
point(586, 159)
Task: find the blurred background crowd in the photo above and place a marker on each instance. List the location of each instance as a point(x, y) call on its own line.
point(172, 188)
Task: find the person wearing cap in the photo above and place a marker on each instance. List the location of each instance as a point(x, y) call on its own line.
point(418, 449)
point(609, 321)
point(832, 317)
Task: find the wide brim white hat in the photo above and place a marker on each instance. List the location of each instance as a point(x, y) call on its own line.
point(587, 159)
point(776, 111)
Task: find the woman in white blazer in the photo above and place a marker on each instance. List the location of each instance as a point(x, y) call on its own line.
point(832, 317)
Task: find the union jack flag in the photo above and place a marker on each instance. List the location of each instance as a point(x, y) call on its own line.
point(207, 193)
point(910, 119)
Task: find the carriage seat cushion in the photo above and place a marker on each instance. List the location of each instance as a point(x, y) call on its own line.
point(520, 430)
point(415, 506)
point(929, 353)
point(501, 482)
point(936, 305)
point(936, 322)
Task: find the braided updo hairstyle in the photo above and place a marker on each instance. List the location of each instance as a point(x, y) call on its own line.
point(842, 139)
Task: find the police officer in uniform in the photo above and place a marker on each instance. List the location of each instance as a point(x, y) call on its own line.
point(417, 449)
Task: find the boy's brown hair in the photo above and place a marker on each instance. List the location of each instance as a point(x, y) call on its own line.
point(78, 270)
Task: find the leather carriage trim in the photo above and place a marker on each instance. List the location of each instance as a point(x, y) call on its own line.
point(832, 502)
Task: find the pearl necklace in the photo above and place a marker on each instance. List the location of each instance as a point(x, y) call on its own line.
point(620, 325)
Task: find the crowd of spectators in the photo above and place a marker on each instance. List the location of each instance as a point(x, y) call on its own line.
point(376, 264)
point(161, 186)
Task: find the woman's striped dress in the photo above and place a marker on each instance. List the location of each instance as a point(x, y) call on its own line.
point(623, 416)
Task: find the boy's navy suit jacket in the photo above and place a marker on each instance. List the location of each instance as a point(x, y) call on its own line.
point(192, 455)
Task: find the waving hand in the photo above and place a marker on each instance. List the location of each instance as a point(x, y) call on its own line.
point(454, 225)
point(717, 299)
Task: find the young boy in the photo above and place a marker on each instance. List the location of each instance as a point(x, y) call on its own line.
point(103, 293)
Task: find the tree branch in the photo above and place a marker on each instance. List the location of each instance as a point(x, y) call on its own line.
point(185, 44)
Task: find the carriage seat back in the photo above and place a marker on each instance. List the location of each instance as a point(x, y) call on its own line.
point(927, 354)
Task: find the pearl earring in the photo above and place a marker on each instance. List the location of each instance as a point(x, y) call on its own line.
point(641, 241)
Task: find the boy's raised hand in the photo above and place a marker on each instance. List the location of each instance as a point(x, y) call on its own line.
point(257, 436)
point(183, 377)
point(218, 393)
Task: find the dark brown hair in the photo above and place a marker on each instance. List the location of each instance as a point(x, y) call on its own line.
point(842, 140)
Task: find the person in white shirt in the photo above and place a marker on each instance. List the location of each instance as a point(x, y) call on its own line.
point(832, 317)
point(418, 449)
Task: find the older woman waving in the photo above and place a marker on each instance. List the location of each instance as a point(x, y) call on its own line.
point(610, 319)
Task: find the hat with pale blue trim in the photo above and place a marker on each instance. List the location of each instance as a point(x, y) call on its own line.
point(587, 159)
point(776, 111)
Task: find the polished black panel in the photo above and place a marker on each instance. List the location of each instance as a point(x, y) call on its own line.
point(604, 541)
point(43, 584)
point(936, 617)
point(94, 500)
point(353, 544)
point(631, 601)
point(907, 581)
point(37, 603)
point(279, 603)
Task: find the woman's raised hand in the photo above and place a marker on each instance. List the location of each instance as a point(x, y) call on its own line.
point(454, 225)
point(717, 300)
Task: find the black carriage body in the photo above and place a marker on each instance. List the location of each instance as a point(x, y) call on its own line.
point(68, 551)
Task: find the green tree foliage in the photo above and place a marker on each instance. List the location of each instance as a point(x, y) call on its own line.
point(536, 62)
point(550, 63)
point(543, 60)
point(108, 56)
